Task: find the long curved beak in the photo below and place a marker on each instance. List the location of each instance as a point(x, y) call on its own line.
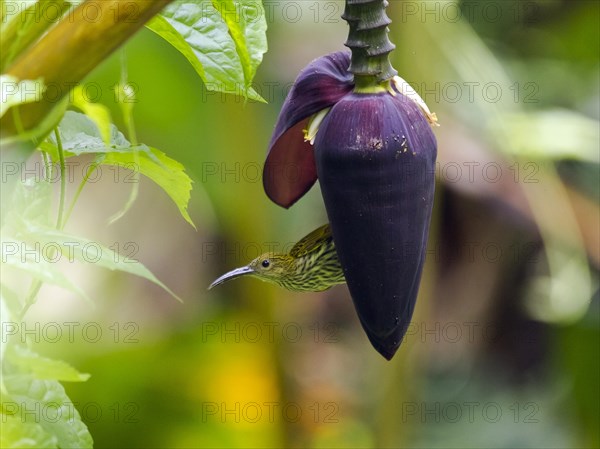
point(231, 275)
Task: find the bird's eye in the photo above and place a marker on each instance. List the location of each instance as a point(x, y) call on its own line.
point(266, 263)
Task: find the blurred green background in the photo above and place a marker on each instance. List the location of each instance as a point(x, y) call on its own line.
point(503, 349)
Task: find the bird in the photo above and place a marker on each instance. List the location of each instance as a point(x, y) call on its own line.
point(312, 265)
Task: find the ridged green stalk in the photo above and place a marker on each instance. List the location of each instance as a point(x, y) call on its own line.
point(368, 40)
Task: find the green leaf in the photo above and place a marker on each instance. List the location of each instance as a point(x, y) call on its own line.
point(248, 33)
point(42, 367)
point(59, 424)
point(17, 434)
point(31, 203)
point(39, 132)
point(161, 26)
point(73, 247)
point(23, 22)
point(164, 171)
point(224, 40)
point(79, 135)
point(9, 15)
point(35, 403)
point(15, 91)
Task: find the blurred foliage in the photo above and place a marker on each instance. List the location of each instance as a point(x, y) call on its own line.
point(503, 351)
point(35, 408)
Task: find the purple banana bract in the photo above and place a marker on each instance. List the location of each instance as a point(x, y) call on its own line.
point(374, 155)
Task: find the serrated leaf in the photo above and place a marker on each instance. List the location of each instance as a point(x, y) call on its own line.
point(164, 171)
point(14, 91)
point(43, 367)
point(17, 434)
point(59, 418)
point(248, 33)
point(216, 37)
point(79, 135)
point(161, 26)
point(34, 404)
point(73, 247)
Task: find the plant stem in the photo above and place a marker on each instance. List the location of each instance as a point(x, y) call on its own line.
point(47, 166)
point(31, 297)
point(89, 172)
point(36, 285)
point(127, 111)
point(61, 201)
point(369, 42)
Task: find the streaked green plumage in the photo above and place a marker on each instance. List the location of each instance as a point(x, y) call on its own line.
point(311, 265)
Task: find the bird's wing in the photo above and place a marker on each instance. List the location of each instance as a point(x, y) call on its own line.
point(311, 241)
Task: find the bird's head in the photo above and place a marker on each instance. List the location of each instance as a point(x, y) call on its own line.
point(270, 267)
